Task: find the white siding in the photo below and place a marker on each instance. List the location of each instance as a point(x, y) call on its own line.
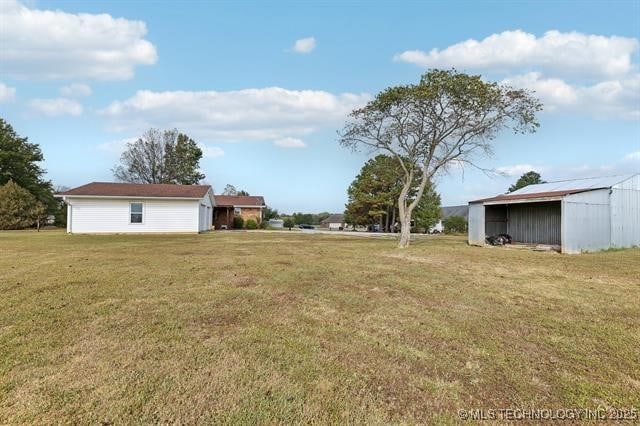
point(476, 224)
point(102, 215)
point(586, 221)
point(625, 213)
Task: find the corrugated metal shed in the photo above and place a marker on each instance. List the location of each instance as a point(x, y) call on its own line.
point(579, 214)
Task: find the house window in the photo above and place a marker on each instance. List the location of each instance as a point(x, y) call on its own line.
point(237, 211)
point(136, 212)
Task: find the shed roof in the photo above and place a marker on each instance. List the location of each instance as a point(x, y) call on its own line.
point(559, 188)
point(239, 200)
point(151, 190)
point(334, 218)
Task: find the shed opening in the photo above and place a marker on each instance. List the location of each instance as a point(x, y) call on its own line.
point(528, 223)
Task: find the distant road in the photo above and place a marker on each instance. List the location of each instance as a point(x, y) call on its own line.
point(388, 235)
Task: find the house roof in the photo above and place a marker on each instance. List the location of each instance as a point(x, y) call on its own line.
point(239, 200)
point(558, 188)
point(334, 218)
point(449, 211)
point(142, 190)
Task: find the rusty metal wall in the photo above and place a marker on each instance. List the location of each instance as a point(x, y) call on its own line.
point(535, 223)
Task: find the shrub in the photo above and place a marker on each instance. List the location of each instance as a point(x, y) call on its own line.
point(252, 224)
point(19, 209)
point(238, 222)
point(454, 225)
point(288, 223)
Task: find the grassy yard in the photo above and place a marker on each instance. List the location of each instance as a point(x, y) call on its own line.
point(290, 327)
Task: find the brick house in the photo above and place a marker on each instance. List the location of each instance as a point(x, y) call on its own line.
point(229, 206)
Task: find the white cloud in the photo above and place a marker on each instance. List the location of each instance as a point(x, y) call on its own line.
point(612, 98)
point(7, 94)
point(571, 71)
point(251, 114)
point(52, 44)
point(289, 143)
point(518, 169)
point(75, 90)
point(304, 45)
point(56, 107)
point(211, 151)
point(570, 53)
point(632, 156)
point(116, 146)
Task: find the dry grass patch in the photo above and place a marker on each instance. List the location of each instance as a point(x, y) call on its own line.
point(291, 327)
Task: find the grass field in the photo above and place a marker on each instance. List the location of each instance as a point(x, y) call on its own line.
point(290, 327)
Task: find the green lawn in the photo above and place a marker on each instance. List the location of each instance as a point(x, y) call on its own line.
point(291, 327)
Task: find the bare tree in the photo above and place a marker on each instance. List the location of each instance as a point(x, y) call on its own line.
point(447, 118)
point(160, 157)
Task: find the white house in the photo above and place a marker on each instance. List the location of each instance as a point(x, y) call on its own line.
point(105, 207)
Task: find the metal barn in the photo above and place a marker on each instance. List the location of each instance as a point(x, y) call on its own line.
point(576, 215)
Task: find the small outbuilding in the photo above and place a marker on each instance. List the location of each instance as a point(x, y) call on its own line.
point(106, 207)
point(575, 215)
point(334, 222)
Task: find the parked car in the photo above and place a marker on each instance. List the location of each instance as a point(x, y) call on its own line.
point(305, 226)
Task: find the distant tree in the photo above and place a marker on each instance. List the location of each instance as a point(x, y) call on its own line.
point(529, 178)
point(183, 161)
point(231, 190)
point(160, 157)
point(19, 162)
point(61, 212)
point(373, 196)
point(302, 218)
point(288, 222)
point(321, 216)
point(269, 213)
point(455, 225)
point(19, 208)
point(427, 212)
point(447, 118)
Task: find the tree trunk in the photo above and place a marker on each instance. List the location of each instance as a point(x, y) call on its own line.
point(393, 218)
point(386, 225)
point(405, 230)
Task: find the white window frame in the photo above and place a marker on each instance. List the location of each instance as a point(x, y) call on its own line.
point(142, 213)
point(237, 211)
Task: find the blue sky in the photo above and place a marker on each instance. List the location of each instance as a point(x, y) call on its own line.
point(264, 87)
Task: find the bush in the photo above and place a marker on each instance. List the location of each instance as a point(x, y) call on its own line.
point(455, 225)
point(19, 209)
point(288, 223)
point(238, 222)
point(252, 224)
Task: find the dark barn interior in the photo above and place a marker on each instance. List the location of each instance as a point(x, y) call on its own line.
point(529, 223)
